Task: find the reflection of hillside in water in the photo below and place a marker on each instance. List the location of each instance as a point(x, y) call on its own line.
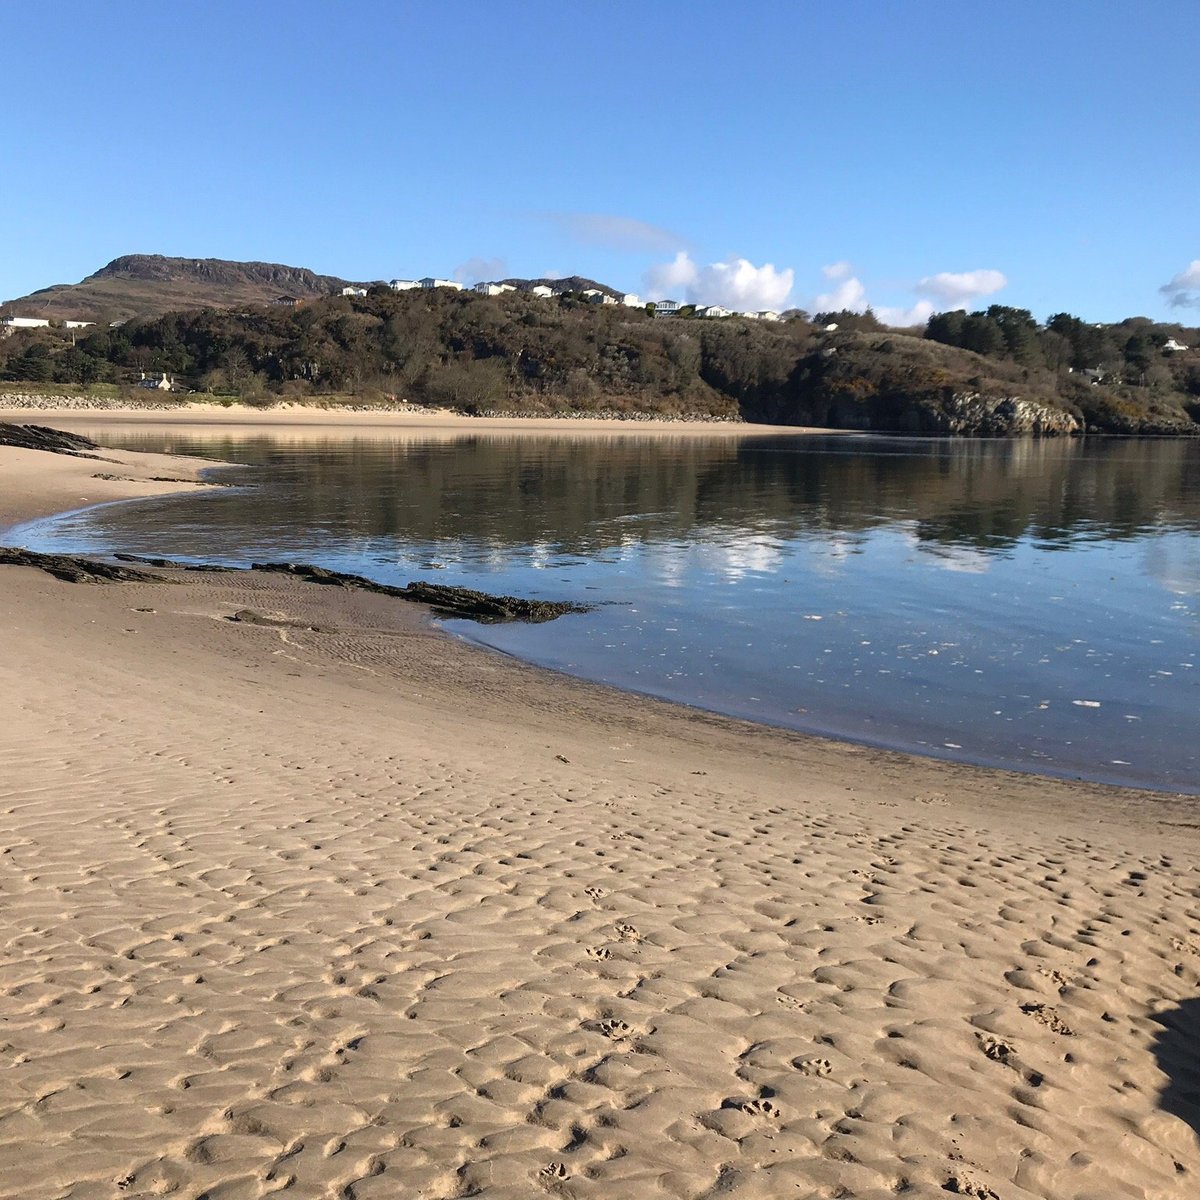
point(588, 494)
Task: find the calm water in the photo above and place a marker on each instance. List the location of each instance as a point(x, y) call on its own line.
point(1016, 603)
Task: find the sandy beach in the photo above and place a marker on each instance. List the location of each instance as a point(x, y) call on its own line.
point(333, 905)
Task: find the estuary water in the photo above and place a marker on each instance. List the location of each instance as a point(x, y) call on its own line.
point(1018, 603)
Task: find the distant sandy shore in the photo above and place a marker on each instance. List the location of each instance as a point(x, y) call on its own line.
point(198, 418)
point(338, 906)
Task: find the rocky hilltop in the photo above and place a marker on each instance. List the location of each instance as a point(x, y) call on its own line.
point(148, 285)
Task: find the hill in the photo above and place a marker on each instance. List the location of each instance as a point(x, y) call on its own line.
point(997, 372)
point(148, 285)
point(565, 283)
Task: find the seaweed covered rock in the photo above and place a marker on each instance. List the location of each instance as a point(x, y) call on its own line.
point(445, 600)
point(74, 570)
point(42, 437)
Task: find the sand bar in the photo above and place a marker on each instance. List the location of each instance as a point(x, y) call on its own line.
point(343, 907)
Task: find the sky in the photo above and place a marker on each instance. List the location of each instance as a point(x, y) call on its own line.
point(910, 155)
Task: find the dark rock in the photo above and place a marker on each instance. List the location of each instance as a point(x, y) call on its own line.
point(41, 437)
point(172, 564)
point(74, 570)
point(444, 600)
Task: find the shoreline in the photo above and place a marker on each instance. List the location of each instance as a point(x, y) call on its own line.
point(346, 899)
point(299, 423)
point(243, 417)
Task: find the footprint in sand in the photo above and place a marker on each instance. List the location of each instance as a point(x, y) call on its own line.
point(612, 1028)
point(628, 932)
point(961, 1185)
point(995, 1049)
point(818, 1067)
point(1048, 1017)
point(554, 1172)
point(762, 1108)
point(599, 952)
point(790, 1002)
point(595, 893)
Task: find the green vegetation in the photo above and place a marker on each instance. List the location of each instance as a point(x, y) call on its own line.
point(997, 371)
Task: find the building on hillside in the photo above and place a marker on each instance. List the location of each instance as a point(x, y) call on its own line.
point(354, 291)
point(1174, 346)
point(25, 323)
point(493, 289)
point(403, 285)
point(156, 385)
point(596, 296)
point(287, 301)
point(542, 291)
point(666, 308)
point(78, 324)
point(769, 315)
point(429, 283)
point(632, 300)
point(714, 310)
point(750, 316)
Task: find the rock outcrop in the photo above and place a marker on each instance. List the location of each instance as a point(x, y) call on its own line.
point(41, 437)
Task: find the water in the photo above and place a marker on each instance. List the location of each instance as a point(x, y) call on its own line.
point(1012, 603)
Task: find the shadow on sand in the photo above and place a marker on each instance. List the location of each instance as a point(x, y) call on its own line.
point(1177, 1051)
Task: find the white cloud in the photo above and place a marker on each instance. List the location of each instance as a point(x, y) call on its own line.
point(1184, 290)
point(672, 279)
point(737, 284)
point(903, 318)
point(475, 270)
point(616, 232)
point(849, 296)
point(957, 289)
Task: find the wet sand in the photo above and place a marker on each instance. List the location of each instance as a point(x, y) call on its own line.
point(339, 906)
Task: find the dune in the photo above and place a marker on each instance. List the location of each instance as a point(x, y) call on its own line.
point(335, 905)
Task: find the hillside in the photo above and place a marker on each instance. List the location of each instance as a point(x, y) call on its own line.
point(992, 373)
point(148, 285)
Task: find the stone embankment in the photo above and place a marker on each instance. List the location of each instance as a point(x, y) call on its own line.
point(24, 400)
point(58, 403)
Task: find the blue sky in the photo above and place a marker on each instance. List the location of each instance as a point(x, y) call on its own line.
point(904, 154)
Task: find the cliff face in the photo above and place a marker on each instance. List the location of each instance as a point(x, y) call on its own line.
point(218, 272)
point(902, 384)
point(971, 413)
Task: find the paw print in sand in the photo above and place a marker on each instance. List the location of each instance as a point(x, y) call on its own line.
point(554, 1172)
point(817, 1067)
point(762, 1108)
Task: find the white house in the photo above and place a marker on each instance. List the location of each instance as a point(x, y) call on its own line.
point(542, 291)
point(713, 310)
point(354, 291)
point(429, 283)
point(78, 324)
point(493, 289)
point(403, 285)
point(595, 296)
point(666, 308)
point(156, 385)
point(26, 323)
point(768, 315)
point(1172, 345)
point(748, 315)
point(631, 300)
